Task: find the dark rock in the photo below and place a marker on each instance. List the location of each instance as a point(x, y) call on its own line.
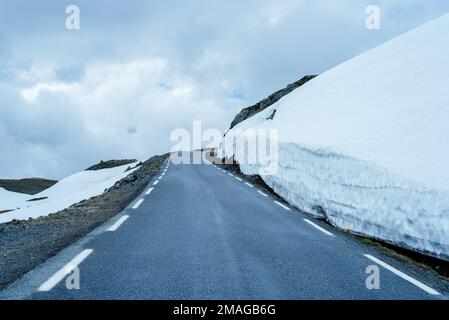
point(271, 117)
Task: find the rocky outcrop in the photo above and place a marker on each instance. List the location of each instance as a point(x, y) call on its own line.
point(272, 99)
point(110, 164)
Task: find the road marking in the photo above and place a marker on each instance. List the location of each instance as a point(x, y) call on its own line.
point(138, 203)
point(149, 191)
point(281, 205)
point(155, 182)
point(67, 269)
point(265, 195)
point(119, 222)
point(160, 177)
point(230, 174)
point(238, 179)
point(319, 228)
point(249, 185)
point(420, 285)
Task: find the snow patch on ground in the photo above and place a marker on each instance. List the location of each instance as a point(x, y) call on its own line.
point(73, 189)
point(366, 145)
point(9, 200)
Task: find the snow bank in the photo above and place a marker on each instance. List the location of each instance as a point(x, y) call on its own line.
point(366, 145)
point(73, 189)
point(9, 200)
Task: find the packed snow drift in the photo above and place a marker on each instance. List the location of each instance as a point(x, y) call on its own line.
point(73, 189)
point(9, 200)
point(366, 144)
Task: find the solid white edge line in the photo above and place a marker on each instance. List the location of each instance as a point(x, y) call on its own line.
point(138, 203)
point(281, 205)
point(249, 185)
point(118, 223)
point(67, 269)
point(155, 182)
point(417, 283)
point(149, 191)
point(265, 195)
point(319, 228)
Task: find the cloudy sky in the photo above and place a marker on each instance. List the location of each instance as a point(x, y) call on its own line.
point(138, 69)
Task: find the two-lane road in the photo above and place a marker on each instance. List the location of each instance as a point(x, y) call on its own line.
point(201, 233)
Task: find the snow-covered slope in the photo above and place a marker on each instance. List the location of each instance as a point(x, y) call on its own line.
point(9, 200)
point(73, 189)
point(367, 143)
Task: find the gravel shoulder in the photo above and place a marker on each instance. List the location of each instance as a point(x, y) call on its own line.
point(26, 244)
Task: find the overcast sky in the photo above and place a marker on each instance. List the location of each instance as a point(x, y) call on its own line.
point(135, 71)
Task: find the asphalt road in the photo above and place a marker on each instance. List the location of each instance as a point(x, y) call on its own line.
point(203, 234)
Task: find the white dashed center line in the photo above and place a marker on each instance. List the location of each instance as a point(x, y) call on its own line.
point(249, 184)
point(238, 179)
point(265, 195)
point(67, 269)
point(281, 205)
point(417, 283)
point(230, 174)
point(138, 203)
point(318, 227)
point(119, 222)
point(149, 191)
point(155, 182)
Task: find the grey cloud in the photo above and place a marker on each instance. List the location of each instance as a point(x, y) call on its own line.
point(71, 73)
point(228, 53)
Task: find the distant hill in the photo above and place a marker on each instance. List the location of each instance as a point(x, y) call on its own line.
point(27, 186)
